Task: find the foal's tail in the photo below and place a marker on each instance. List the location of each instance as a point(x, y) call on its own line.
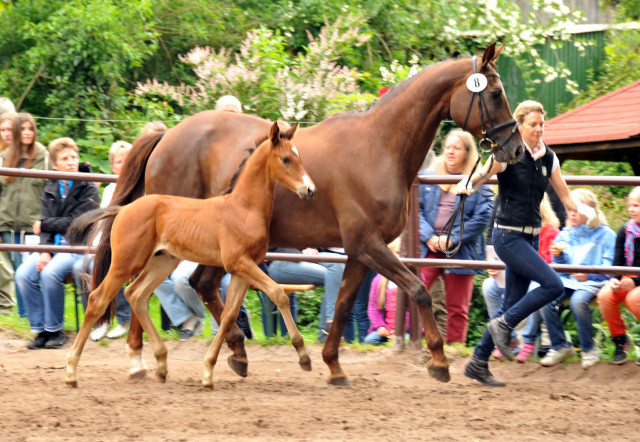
point(130, 186)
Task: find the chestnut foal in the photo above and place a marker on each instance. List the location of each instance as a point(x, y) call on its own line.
point(152, 234)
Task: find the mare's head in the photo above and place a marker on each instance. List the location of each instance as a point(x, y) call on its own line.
point(479, 105)
point(285, 164)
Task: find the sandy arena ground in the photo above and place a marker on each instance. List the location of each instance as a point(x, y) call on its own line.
point(392, 398)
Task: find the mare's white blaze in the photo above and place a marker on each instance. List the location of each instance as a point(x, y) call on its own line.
point(295, 150)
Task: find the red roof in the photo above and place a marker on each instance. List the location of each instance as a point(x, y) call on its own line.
point(614, 116)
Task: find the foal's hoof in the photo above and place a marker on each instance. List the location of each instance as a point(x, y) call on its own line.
point(137, 374)
point(237, 365)
point(71, 384)
point(339, 381)
point(305, 363)
point(208, 387)
point(438, 373)
point(162, 377)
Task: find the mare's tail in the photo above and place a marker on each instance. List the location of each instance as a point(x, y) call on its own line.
point(130, 186)
point(131, 180)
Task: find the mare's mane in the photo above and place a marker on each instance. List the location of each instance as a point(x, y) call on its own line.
point(234, 179)
point(236, 175)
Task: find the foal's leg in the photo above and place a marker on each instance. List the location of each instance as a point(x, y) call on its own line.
point(138, 293)
point(235, 294)
point(98, 302)
point(206, 281)
point(134, 348)
point(251, 272)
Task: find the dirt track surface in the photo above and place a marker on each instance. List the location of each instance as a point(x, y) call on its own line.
point(392, 398)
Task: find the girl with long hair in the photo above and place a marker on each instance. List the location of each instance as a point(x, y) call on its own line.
point(20, 202)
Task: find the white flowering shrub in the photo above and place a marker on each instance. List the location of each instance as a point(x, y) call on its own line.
point(268, 80)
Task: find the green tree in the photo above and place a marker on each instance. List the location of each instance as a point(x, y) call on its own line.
point(73, 58)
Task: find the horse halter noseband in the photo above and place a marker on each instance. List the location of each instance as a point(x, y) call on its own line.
point(486, 140)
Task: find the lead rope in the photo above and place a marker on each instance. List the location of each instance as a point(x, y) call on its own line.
point(460, 210)
point(460, 207)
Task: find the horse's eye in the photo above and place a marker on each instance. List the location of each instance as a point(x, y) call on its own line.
point(497, 95)
point(286, 161)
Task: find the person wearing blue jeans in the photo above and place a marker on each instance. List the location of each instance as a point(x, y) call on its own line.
point(516, 231)
point(44, 291)
point(41, 277)
point(327, 274)
point(585, 242)
point(82, 269)
point(181, 302)
point(359, 319)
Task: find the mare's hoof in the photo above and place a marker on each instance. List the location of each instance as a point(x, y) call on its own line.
point(438, 373)
point(71, 384)
point(340, 381)
point(162, 377)
point(237, 365)
point(138, 374)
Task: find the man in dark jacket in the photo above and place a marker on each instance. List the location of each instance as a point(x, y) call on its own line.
point(40, 277)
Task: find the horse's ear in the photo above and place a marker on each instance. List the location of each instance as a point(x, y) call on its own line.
point(489, 55)
point(274, 135)
point(289, 134)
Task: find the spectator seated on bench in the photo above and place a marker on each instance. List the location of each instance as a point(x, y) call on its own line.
point(326, 274)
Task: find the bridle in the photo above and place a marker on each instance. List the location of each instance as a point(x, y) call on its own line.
point(485, 141)
point(482, 109)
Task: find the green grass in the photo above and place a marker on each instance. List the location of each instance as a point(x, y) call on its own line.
point(309, 301)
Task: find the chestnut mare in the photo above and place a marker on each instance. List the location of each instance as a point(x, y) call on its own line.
point(363, 163)
point(151, 235)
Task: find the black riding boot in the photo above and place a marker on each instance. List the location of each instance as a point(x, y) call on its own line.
point(479, 371)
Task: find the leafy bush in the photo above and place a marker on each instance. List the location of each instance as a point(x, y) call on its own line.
point(268, 80)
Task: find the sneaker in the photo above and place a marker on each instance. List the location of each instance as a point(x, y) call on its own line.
point(622, 348)
point(554, 357)
point(501, 334)
point(195, 330)
point(99, 332)
point(39, 341)
point(56, 339)
point(527, 350)
point(497, 354)
point(244, 322)
point(590, 357)
point(118, 331)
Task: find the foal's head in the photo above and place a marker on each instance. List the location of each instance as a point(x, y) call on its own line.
point(285, 163)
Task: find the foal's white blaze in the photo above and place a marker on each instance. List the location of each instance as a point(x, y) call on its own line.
point(307, 181)
point(295, 150)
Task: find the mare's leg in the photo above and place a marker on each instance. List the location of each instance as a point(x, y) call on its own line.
point(375, 254)
point(206, 281)
point(251, 272)
point(99, 300)
point(354, 273)
point(158, 268)
point(235, 294)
